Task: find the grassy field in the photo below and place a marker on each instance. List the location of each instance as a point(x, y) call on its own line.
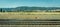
point(29, 25)
point(29, 15)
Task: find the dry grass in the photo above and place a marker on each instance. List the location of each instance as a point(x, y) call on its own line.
point(29, 15)
point(29, 25)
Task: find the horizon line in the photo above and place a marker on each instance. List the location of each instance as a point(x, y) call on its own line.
point(22, 6)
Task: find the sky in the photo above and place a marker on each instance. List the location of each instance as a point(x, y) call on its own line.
point(36, 3)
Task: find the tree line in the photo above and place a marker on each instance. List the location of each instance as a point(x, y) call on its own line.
point(28, 9)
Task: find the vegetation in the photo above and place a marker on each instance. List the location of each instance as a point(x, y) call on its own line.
point(30, 13)
point(30, 9)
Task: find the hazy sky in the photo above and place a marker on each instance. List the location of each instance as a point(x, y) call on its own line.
point(39, 3)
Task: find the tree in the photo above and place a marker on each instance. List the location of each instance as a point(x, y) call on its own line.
point(0, 10)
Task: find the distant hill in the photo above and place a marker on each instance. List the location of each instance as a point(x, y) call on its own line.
point(25, 8)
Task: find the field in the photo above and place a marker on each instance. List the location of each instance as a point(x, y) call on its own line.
point(29, 25)
point(29, 15)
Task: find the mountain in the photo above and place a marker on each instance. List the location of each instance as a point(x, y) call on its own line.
point(25, 8)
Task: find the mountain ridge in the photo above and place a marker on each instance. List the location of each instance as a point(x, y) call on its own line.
point(25, 8)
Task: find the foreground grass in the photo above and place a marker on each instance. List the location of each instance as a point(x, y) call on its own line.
point(29, 15)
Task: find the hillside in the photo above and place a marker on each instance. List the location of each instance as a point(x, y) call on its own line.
point(25, 8)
